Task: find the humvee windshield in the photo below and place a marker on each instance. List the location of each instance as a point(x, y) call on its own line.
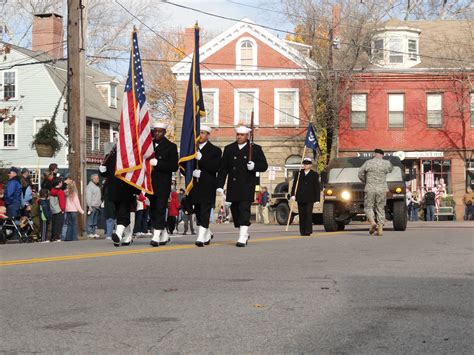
point(349, 175)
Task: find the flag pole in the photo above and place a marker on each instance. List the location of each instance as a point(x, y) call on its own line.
point(292, 203)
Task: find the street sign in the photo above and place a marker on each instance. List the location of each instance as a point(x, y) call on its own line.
point(271, 175)
point(274, 168)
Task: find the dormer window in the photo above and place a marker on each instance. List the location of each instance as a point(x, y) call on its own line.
point(412, 49)
point(396, 50)
point(246, 51)
point(113, 95)
point(377, 54)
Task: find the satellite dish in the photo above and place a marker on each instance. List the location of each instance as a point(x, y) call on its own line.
point(400, 154)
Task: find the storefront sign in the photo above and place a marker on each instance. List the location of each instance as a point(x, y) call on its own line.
point(418, 155)
point(92, 160)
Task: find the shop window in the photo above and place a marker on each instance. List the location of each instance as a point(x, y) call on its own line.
point(470, 174)
point(359, 110)
point(211, 103)
point(434, 110)
point(395, 110)
point(437, 172)
point(292, 165)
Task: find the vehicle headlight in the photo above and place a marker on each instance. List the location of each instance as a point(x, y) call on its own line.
point(346, 195)
point(329, 192)
point(398, 190)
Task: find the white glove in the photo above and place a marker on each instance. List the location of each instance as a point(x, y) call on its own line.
point(102, 169)
point(197, 173)
point(198, 155)
point(292, 198)
point(220, 191)
point(153, 162)
point(250, 165)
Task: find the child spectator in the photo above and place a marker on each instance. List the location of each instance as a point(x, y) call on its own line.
point(141, 216)
point(57, 203)
point(173, 210)
point(73, 206)
point(34, 215)
point(48, 180)
point(45, 214)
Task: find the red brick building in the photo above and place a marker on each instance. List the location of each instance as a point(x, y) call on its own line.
point(245, 69)
point(417, 98)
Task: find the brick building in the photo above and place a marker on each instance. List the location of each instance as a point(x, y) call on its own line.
point(247, 68)
point(417, 98)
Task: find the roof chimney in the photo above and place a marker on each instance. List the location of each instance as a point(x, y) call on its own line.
point(47, 34)
point(189, 40)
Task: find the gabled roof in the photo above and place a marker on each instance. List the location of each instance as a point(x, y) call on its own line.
point(95, 105)
point(246, 26)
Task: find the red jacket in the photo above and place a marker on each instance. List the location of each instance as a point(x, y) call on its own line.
point(61, 197)
point(173, 206)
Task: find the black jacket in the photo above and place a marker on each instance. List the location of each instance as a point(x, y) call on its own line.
point(166, 153)
point(118, 190)
point(204, 188)
point(308, 187)
point(240, 181)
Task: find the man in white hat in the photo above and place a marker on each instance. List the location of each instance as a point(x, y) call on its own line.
point(307, 194)
point(163, 164)
point(240, 172)
point(203, 193)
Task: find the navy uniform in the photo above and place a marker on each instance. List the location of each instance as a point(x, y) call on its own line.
point(203, 193)
point(241, 177)
point(307, 194)
point(122, 195)
point(164, 164)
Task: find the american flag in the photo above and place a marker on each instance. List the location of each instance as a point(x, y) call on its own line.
point(134, 146)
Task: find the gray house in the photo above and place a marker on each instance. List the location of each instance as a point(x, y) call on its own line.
point(32, 91)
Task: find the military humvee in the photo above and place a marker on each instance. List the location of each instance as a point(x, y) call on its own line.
point(344, 194)
point(280, 202)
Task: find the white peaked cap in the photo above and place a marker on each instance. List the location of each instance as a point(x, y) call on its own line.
point(242, 129)
point(158, 124)
point(205, 128)
point(307, 159)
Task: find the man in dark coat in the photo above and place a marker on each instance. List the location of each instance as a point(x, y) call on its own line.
point(240, 172)
point(164, 164)
point(122, 195)
point(203, 193)
point(306, 195)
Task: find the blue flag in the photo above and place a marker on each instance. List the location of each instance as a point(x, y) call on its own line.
point(311, 140)
point(193, 110)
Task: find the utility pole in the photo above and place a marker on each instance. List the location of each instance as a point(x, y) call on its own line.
point(76, 33)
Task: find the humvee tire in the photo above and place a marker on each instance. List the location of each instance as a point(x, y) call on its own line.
point(329, 218)
point(3, 237)
point(281, 214)
point(399, 215)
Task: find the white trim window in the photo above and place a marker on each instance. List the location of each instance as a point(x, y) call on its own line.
point(39, 122)
point(412, 49)
point(396, 110)
point(396, 50)
point(114, 131)
point(211, 103)
point(112, 96)
point(377, 50)
point(95, 135)
point(434, 110)
point(10, 85)
point(287, 110)
point(246, 54)
point(359, 110)
point(8, 134)
point(245, 101)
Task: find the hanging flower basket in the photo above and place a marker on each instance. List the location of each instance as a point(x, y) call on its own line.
point(44, 151)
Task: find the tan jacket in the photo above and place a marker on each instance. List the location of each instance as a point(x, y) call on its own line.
point(468, 196)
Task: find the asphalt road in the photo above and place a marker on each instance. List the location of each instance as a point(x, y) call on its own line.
point(405, 292)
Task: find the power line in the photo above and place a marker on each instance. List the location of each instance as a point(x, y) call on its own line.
point(316, 37)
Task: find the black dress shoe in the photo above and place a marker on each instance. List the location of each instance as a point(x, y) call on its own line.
point(240, 245)
point(164, 243)
point(116, 240)
point(154, 244)
point(127, 244)
point(199, 244)
point(209, 241)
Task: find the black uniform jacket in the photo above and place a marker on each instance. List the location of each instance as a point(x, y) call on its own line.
point(166, 153)
point(117, 190)
point(308, 187)
point(240, 181)
point(204, 188)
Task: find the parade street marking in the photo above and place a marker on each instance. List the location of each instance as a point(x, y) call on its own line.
point(126, 251)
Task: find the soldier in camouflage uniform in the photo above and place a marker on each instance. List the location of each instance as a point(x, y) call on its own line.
point(374, 174)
